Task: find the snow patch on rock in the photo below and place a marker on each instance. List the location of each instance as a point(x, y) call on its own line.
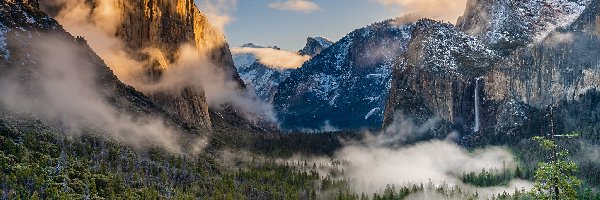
point(3, 43)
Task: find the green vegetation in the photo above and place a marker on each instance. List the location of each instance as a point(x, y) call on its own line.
point(38, 162)
point(491, 177)
point(556, 178)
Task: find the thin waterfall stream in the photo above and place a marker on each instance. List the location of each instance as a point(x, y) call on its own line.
point(477, 123)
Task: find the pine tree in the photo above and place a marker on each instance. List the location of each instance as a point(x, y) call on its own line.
point(555, 179)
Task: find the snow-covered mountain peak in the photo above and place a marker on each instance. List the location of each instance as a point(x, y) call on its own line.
point(507, 23)
point(450, 50)
point(4, 53)
point(251, 45)
point(314, 46)
point(347, 82)
point(322, 40)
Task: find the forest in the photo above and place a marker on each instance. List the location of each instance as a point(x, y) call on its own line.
point(38, 163)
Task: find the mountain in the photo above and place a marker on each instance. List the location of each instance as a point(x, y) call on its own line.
point(490, 91)
point(59, 102)
point(70, 129)
point(434, 78)
point(346, 85)
point(263, 79)
point(251, 45)
point(153, 36)
point(34, 69)
point(507, 24)
point(562, 70)
point(314, 46)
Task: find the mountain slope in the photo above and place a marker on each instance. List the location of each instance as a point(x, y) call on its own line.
point(52, 76)
point(491, 98)
point(342, 86)
point(562, 70)
point(314, 46)
point(153, 36)
point(507, 25)
point(435, 77)
point(263, 79)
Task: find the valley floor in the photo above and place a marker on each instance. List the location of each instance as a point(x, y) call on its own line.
point(40, 162)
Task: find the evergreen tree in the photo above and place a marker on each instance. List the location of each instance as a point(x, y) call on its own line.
point(555, 179)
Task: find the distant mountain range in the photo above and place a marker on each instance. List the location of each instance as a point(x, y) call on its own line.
point(428, 69)
point(264, 79)
point(346, 85)
point(496, 70)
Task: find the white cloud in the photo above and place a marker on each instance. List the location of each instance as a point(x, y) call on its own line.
point(65, 91)
point(273, 58)
point(383, 158)
point(191, 68)
point(304, 6)
point(218, 12)
point(373, 167)
point(448, 10)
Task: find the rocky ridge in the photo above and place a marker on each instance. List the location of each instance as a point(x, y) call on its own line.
point(341, 88)
point(501, 90)
point(264, 80)
point(314, 46)
point(154, 34)
point(22, 24)
point(507, 25)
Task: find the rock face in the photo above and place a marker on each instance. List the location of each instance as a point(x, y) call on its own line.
point(259, 77)
point(153, 31)
point(550, 57)
point(264, 80)
point(314, 46)
point(22, 23)
point(506, 24)
point(166, 25)
point(435, 77)
point(346, 85)
point(561, 70)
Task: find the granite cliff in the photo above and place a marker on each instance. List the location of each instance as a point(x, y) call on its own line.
point(23, 30)
point(153, 33)
point(500, 82)
point(263, 79)
point(346, 85)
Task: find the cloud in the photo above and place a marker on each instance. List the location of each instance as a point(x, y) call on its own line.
point(376, 166)
point(219, 12)
point(65, 91)
point(99, 27)
point(383, 158)
point(79, 12)
point(590, 152)
point(278, 59)
point(190, 69)
point(304, 6)
point(448, 10)
point(558, 38)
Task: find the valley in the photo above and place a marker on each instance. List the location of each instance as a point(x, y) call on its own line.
point(123, 99)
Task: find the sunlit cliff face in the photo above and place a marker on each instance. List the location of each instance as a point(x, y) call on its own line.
point(109, 25)
point(166, 42)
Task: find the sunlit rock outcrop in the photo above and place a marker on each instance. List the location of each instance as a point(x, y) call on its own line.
point(152, 34)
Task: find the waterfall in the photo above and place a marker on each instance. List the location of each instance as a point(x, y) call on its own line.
point(477, 125)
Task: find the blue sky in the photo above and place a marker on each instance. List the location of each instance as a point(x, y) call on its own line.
point(254, 21)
